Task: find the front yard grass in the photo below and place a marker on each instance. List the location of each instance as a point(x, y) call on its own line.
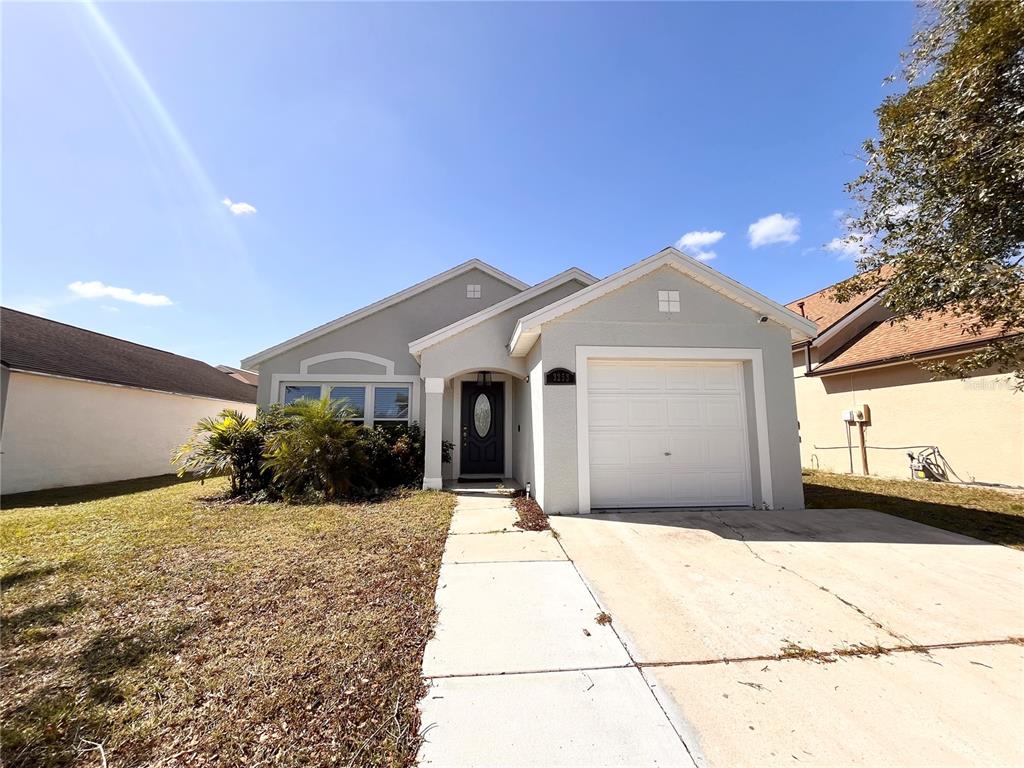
point(173, 630)
point(994, 516)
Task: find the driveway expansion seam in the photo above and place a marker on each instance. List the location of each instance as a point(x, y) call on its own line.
point(633, 661)
point(499, 562)
point(553, 670)
point(841, 653)
point(875, 622)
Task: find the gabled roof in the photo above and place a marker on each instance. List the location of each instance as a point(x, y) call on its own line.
point(825, 312)
point(417, 346)
point(527, 330)
point(249, 377)
point(389, 301)
point(892, 341)
point(37, 345)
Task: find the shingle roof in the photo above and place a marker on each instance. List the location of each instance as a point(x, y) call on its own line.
point(30, 343)
point(249, 377)
point(891, 341)
point(821, 309)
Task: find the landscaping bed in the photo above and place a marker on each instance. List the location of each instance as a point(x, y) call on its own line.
point(987, 514)
point(169, 629)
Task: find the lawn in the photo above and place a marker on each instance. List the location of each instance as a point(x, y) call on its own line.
point(985, 514)
point(171, 629)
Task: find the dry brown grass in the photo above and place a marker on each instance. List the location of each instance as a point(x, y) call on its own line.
point(178, 632)
point(989, 515)
point(531, 516)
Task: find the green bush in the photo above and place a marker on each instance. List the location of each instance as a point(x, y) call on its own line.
point(320, 452)
point(230, 444)
point(395, 454)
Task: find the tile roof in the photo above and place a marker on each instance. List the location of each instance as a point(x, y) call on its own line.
point(31, 343)
point(890, 341)
point(823, 310)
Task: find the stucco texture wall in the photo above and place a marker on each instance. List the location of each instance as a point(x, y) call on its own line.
point(59, 432)
point(630, 317)
point(977, 423)
point(387, 333)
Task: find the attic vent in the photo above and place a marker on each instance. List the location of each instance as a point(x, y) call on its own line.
point(668, 301)
point(472, 291)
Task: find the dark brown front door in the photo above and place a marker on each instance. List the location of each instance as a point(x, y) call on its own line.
point(483, 429)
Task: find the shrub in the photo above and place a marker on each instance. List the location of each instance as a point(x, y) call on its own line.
point(395, 453)
point(227, 444)
point(319, 452)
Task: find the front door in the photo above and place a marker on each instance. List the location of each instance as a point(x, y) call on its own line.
point(483, 429)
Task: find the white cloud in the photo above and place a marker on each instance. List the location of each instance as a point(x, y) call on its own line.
point(239, 209)
point(94, 289)
point(775, 228)
point(853, 246)
point(696, 244)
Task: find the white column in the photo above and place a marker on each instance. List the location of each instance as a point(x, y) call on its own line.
point(434, 391)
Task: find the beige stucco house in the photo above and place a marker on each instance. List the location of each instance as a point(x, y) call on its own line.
point(665, 384)
point(79, 407)
point(973, 429)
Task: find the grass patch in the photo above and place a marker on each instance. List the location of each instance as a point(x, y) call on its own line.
point(171, 630)
point(989, 515)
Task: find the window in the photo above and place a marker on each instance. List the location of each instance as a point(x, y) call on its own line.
point(668, 301)
point(293, 393)
point(390, 404)
point(472, 291)
point(354, 399)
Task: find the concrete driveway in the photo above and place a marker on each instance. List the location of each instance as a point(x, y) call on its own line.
point(741, 621)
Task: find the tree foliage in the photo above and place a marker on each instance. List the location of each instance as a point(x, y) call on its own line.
point(941, 199)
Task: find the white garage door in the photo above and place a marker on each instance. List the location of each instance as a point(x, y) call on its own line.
point(667, 434)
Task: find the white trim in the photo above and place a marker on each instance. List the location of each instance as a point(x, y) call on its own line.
point(389, 365)
point(833, 330)
point(433, 385)
point(527, 330)
point(585, 354)
point(432, 484)
point(509, 406)
point(574, 273)
point(26, 372)
point(278, 380)
point(384, 303)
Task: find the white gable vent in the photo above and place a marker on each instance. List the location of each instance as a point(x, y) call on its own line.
point(472, 291)
point(668, 301)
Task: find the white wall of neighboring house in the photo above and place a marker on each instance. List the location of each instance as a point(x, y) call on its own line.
point(63, 432)
point(977, 423)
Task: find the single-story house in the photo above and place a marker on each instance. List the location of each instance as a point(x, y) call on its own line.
point(970, 429)
point(666, 384)
point(80, 407)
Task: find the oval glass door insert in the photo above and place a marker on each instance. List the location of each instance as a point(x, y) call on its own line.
point(482, 415)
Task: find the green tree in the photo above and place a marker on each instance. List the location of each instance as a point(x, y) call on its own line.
point(227, 444)
point(940, 203)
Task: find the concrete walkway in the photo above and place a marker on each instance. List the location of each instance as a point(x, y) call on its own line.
point(520, 672)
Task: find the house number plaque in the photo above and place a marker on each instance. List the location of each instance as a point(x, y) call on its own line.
point(559, 376)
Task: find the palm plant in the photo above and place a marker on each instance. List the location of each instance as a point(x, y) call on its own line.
point(227, 444)
point(320, 451)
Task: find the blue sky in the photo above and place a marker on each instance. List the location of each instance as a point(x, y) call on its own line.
point(382, 143)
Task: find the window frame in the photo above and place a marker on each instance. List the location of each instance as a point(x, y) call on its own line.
point(328, 383)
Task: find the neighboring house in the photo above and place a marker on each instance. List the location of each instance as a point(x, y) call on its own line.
point(861, 357)
point(80, 407)
point(665, 384)
point(249, 377)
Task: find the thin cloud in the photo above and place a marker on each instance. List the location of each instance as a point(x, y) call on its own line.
point(853, 246)
point(776, 228)
point(239, 209)
point(94, 289)
point(696, 243)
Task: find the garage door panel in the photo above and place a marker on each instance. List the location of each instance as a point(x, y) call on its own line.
point(647, 448)
point(606, 412)
point(645, 412)
point(684, 411)
point(693, 412)
point(608, 450)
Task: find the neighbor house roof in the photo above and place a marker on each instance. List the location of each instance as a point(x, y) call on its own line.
point(249, 377)
point(528, 328)
point(825, 312)
point(573, 273)
point(387, 301)
point(37, 345)
point(892, 341)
